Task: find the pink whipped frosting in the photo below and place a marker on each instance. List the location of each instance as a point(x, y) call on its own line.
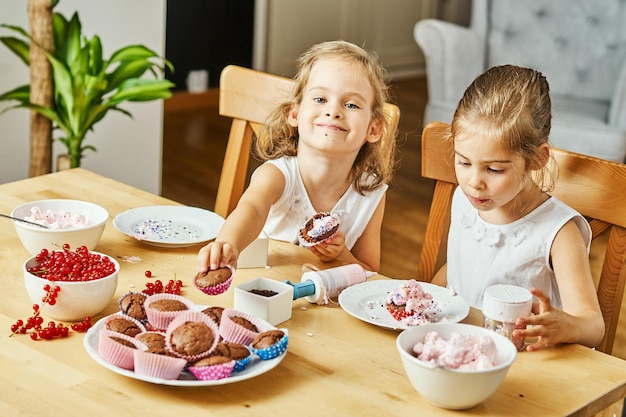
point(412, 296)
point(61, 220)
point(463, 352)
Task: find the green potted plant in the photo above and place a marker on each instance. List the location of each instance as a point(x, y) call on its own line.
point(85, 85)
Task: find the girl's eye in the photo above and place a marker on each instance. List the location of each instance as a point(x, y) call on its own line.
point(463, 163)
point(352, 106)
point(495, 171)
point(320, 100)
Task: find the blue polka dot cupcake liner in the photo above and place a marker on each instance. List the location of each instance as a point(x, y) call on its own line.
point(273, 351)
point(241, 364)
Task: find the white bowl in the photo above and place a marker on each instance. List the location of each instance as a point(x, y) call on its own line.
point(77, 299)
point(36, 238)
point(449, 388)
point(275, 309)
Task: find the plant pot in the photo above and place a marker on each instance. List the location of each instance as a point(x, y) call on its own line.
point(63, 162)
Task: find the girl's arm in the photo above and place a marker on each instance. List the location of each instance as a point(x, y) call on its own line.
point(366, 250)
point(246, 221)
point(580, 321)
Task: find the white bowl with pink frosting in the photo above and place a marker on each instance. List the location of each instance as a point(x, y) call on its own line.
point(75, 222)
point(454, 365)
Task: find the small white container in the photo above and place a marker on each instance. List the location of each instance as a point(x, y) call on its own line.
point(502, 306)
point(275, 309)
point(255, 255)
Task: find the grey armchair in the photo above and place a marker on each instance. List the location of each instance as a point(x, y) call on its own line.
point(579, 45)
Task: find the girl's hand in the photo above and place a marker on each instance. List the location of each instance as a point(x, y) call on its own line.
point(330, 249)
point(217, 255)
point(549, 325)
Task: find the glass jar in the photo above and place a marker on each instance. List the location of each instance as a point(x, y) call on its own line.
point(502, 305)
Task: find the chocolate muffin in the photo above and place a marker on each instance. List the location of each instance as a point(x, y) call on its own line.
point(191, 338)
point(152, 340)
point(123, 342)
point(321, 226)
point(215, 313)
point(245, 323)
point(122, 325)
point(212, 277)
point(231, 350)
point(131, 304)
point(267, 339)
point(168, 305)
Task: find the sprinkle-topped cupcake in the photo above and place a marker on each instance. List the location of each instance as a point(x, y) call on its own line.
point(409, 303)
point(321, 226)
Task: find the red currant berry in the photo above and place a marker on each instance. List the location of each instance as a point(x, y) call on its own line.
point(148, 273)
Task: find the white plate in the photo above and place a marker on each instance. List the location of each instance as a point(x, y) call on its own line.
point(169, 226)
point(366, 301)
point(255, 367)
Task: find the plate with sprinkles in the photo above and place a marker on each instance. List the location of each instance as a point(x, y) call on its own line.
point(169, 226)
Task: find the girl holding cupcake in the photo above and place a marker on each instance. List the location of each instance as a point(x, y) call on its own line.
point(323, 153)
point(505, 227)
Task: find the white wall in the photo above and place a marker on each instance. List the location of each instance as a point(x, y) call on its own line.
point(128, 150)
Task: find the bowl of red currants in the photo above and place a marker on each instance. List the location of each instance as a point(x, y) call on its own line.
point(62, 221)
point(70, 284)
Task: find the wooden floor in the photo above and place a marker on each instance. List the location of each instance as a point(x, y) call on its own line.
point(194, 143)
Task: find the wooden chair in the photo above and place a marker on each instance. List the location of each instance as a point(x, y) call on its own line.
point(248, 96)
point(594, 187)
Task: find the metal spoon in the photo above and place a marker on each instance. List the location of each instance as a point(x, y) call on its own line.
point(25, 221)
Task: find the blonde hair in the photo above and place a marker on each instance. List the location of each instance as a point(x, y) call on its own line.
point(511, 105)
point(278, 138)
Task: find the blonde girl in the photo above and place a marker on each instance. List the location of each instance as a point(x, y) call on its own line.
point(328, 148)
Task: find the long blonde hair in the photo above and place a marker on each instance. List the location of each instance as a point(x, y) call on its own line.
point(512, 105)
point(279, 139)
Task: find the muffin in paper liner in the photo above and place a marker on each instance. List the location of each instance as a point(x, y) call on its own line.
point(274, 350)
point(213, 372)
point(240, 362)
point(236, 333)
point(319, 228)
point(219, 288)
point(117, 353)
point(131, 304)
point(114, 323)
point(158, 365)
point(159, 320)
point(193, 317)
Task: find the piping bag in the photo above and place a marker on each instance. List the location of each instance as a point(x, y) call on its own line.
point(321, 286)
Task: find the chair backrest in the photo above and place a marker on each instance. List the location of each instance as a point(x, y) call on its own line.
point(594, 187)
point(248, 96)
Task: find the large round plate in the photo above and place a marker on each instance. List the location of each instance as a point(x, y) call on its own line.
point(169, 226)
point(366, 301)
point(255, 367)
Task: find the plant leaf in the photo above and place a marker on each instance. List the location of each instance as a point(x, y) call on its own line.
point(142, 90)
point(18, 47)
point(21, 94)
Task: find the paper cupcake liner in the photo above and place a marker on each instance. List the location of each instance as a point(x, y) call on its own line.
point(220, 288)
point(158, 366)
point(241, 364)
point(121, 315)
point(191, 316)
point(159, 320)
point(119, 304)
point(213, 372)
point(116, 353)
point(275, 350)
point(233, 332)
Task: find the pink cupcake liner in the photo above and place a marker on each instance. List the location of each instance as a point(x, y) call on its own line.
point(158, 366)
point(116, 353)
point(191, 316)
point(159, 320)
point(121, 315)
point(220, 288)
point(233, 332)
point(275, 350)
point(213, 372)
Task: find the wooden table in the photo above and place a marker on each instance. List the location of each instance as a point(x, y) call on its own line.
point(335, 364)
